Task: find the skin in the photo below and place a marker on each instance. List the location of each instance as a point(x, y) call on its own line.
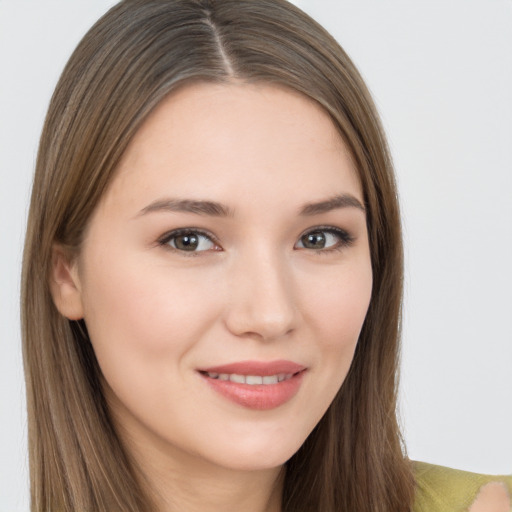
point(155, 314)
point(492, 497)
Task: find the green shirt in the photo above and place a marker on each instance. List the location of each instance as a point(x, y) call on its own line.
point(441, 489)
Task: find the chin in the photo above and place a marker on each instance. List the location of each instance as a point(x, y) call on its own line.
point(257, 454)
point(260, 462)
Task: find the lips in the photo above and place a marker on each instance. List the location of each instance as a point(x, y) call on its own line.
point(259, 385)
point(256, 368)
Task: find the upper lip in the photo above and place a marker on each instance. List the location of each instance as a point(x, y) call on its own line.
point(263, 368)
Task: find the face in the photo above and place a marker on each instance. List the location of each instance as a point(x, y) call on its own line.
point(225, 276)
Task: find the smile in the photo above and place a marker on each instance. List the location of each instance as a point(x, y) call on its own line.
point(257, 385)
point(252, 380)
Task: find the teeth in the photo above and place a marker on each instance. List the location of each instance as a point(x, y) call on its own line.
point(252, 380)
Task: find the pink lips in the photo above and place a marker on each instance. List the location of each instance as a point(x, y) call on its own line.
point(256, 396)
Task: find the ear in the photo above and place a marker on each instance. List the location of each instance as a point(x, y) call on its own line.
point(65, 284)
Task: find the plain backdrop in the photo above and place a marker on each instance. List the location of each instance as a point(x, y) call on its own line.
point(441, 75)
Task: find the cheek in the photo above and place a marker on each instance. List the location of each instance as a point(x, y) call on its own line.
point(337, 312)
point(338, 307)
point(142, 318)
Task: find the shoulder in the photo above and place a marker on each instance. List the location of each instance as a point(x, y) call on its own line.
point(441, 489)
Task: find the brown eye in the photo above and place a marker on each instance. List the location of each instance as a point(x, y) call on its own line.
point(186, 242)
point(189, 241)
point(314, 240)
point(324, 239)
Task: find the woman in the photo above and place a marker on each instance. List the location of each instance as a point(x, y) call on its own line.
point(212, 274)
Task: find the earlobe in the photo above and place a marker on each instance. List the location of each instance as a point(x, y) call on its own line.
point(65, 284)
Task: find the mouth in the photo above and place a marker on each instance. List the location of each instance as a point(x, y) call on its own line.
point(251, 380)
point(256, 385)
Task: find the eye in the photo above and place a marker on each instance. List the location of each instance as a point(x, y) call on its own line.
point(324, 239)
point(189, 240)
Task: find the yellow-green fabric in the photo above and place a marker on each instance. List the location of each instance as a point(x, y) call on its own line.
point(441, 489)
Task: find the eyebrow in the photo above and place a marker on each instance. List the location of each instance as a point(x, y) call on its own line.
point(211, 208)
point(333, 203)
point(215, 209)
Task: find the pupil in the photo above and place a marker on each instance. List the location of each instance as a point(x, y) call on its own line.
point(187, 242)
point(314, 240)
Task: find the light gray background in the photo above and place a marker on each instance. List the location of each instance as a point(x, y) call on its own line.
point(441, 74)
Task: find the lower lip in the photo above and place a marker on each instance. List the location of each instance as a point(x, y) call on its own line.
point(259, 397)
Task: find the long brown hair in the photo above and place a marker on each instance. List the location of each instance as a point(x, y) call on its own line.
point(126, 64)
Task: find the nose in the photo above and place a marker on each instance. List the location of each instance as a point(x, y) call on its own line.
point(261, 298)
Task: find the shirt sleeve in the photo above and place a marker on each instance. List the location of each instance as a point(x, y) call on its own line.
point(442, 489)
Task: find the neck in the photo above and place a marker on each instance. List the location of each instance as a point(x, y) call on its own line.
point(178, 481)
point(214, 490)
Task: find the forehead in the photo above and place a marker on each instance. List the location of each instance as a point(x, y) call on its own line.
point(237, 140)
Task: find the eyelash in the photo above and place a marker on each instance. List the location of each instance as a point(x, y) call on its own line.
point(345, 239)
